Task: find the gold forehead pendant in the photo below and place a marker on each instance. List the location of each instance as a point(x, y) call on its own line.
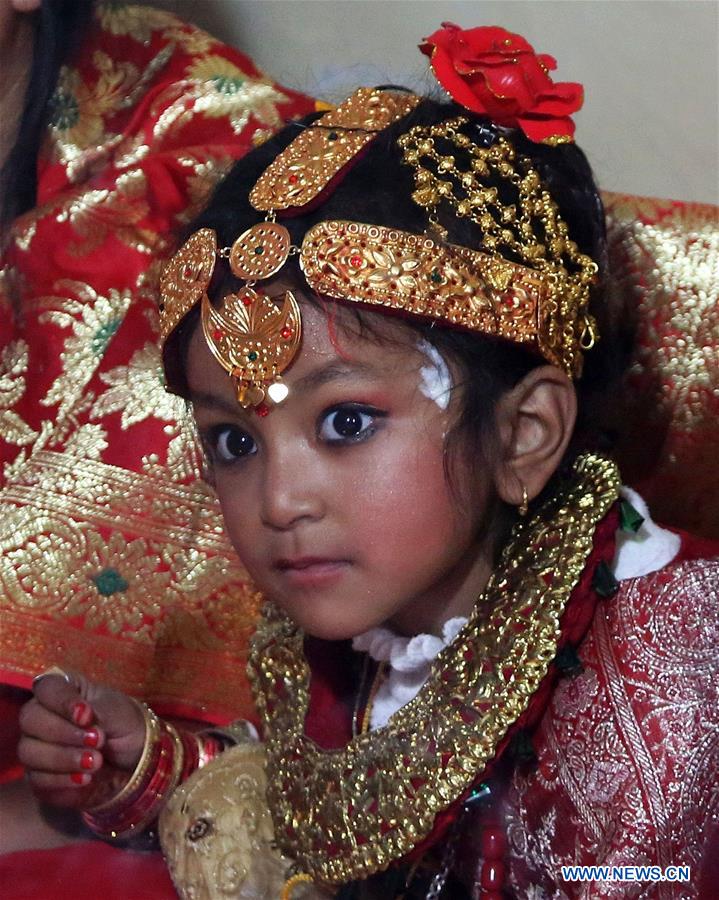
point(252, 336)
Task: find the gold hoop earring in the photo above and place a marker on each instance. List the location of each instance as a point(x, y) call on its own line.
point(524, 505)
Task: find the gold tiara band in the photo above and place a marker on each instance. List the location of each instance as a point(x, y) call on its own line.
point(416, 274)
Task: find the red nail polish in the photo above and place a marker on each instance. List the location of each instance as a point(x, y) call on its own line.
point(79, 778)
point(91, 738)
point(87, 760)
point(81, 713)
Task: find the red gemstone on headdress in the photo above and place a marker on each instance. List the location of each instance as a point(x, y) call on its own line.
point(286, 332)
point(217, 334)
point(188, 271)
point(262, 410)
point(247, 300)
point(293, 179)
point(356, 260)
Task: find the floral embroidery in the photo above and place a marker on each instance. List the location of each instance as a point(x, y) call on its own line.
point(128, 19)
point(575, 695)
point(138, 391)
point(221, 89)
point(13, 369)
point(628, 756)
point(94, 319)
point(99, 213)
point(88, 442)
point(606, 777)
point(75, 123)
point(220, 72)
point(78, 109)
point(114, 584)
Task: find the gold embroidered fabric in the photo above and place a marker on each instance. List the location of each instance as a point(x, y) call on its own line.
point(664, 257)
point(113, 559)
point(344, 814)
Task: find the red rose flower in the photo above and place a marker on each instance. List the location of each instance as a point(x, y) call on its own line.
point(495, 73)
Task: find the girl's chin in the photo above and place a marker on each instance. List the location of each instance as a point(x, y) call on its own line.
point(330, 628)
point(331, 631)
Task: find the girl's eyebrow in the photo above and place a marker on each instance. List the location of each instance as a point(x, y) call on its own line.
point(214, 401)
point(332, 371)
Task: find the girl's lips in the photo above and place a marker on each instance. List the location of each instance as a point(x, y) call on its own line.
point(311, 569)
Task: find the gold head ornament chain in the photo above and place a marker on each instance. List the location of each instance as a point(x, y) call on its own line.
point(502, 193)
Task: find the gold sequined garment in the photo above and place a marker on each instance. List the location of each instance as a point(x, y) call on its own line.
point(345, 814)
point(113, 559)
point(665, 260)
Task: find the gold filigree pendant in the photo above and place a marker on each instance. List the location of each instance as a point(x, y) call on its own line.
point(254, 340)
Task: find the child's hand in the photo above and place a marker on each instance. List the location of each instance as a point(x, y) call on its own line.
point(75, 734)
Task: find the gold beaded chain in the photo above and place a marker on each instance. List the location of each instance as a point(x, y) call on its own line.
point(531, 228)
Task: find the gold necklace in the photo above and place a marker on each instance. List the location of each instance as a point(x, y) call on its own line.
point(345, 814)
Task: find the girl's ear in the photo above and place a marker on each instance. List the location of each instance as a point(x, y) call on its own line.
point(535, 421)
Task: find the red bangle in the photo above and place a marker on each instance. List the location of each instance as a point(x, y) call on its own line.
point(168, 758)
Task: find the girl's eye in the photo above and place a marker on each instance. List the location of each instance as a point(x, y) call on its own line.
point(348, 424)
point(228, 443)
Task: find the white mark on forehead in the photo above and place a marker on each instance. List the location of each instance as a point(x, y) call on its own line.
point(436, 383)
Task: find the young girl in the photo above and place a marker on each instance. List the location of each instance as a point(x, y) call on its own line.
point(479, 662)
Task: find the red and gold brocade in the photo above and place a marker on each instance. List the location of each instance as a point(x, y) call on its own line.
point(113, 559)
point(664, 256)
point(628, 750)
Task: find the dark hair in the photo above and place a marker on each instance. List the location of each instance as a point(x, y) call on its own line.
point(58, 27)
point(377, 190)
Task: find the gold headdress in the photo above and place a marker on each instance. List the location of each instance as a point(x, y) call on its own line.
point(525, 281)
point(249, 335)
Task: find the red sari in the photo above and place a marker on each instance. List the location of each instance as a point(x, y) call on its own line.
point(627, 745)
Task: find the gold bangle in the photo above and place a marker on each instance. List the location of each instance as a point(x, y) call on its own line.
point(178, 761)
point(152, 736)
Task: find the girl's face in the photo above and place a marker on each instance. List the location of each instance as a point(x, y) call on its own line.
point(337, 501)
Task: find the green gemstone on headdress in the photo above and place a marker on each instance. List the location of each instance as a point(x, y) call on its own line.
point(252, 355)
point(629, 519)
point(436, 276)
point(259, 251)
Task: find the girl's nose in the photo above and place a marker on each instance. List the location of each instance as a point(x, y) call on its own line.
point(292, 492)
